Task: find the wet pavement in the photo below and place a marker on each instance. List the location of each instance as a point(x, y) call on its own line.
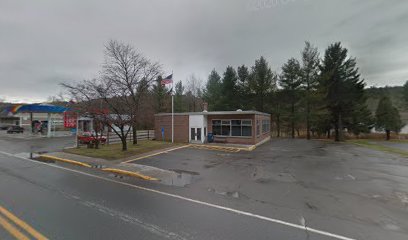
point(29, 145)
point(84, 204)
point(340, 188)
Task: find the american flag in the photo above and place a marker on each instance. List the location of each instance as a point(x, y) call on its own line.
point(167, 80)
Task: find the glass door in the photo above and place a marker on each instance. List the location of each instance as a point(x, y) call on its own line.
point(198, 134)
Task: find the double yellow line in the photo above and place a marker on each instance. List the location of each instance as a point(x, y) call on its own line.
point(13, 225)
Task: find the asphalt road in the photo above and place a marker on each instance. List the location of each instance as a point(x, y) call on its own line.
point(340, 188)
point(62, 204)
point(11, 144)
point(336, 188)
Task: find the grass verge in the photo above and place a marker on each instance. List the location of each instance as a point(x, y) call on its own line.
point(114, 151)
point(379, 147)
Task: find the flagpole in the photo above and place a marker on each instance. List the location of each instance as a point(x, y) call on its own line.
point(172, 109)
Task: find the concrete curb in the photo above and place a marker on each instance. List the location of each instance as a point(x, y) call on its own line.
point(216, 148)
point(65, 160)
point(112, 170)
point(223, 148)
point(129, 173)
point(155, 154)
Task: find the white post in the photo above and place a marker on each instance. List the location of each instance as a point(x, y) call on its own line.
point(172, 110)
point(49, 125)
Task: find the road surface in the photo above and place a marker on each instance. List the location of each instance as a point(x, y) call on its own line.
point(61, 203)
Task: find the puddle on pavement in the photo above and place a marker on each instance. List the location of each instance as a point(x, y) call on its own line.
point(180, 178)
point(233, 194)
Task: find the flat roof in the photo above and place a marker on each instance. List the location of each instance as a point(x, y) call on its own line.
point(215, 113)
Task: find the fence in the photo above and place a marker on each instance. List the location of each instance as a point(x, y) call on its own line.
point(141, 135)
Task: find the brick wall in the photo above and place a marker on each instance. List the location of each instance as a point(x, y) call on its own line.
point(181, 125)
point(262, 136)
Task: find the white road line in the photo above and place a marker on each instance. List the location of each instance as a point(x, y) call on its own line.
point(309, 229)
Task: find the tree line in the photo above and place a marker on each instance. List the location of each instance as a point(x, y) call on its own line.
point(318, 94)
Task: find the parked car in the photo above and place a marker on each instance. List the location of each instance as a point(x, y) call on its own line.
point(89, 137)
point(5, 126)
point(15, 129)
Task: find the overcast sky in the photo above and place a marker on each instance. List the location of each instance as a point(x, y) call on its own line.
point(43, 43)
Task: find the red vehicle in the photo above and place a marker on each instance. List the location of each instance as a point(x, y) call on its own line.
point(89, 137)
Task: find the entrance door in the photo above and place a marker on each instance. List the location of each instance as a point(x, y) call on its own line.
point(195, 135)
point(198, 134)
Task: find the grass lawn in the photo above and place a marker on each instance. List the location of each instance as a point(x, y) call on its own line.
point(379, 147)
point(114, 151)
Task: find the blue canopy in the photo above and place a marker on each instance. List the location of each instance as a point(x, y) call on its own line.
point(36, 108)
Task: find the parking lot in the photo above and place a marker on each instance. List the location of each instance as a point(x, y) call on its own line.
point(26, 143)
point(341, 188)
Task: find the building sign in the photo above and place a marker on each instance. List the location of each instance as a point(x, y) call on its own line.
point(70, 119)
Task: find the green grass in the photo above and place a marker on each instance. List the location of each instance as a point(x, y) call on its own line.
point(372, 144)
point(114, 151)
point(399, 141)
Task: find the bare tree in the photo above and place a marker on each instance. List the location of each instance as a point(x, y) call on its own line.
point(85, 104)
point(194, 92)
point(131, 73)
point(89, 93)
point(125, 77)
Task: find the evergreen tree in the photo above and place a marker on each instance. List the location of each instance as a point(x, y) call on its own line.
point(290, 81)
point(160, 93)
point(277, 110)
point(361, 120)
point(310, 74)
point(229, 100)
point(387, 117)
point(243, 87)
point(178, 97)
point(212, 93)
point(262, 82)
point(341, 85)
point(405, 92)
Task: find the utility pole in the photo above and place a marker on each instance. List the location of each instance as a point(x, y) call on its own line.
point(172, 109)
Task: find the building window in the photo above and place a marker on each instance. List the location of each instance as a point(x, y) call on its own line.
point(266, 126)
point(247, 128)
point(216, 127)
point(236, 128)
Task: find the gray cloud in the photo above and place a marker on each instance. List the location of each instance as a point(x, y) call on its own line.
point(45, 42)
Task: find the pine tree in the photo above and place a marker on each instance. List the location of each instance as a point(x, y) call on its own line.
point(341, 85)
point(277, 98)
point(243, 87)
point(309, 75)
point(160, 93)
point(262, 82)
point(361, 120)
point(405, 92)
point(387, 117)
point(212, 92)
point(178, 97)
point(290, 81)
point(229, 90)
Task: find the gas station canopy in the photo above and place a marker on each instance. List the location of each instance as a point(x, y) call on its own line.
point(36, 108)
